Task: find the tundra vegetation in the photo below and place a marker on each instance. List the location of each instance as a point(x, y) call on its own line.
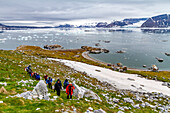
point(12, 64)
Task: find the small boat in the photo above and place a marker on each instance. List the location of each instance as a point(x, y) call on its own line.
point(167, 54)
point(120, 51)
point(160, 59)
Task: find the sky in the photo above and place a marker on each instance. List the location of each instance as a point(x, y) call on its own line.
point(58, 11)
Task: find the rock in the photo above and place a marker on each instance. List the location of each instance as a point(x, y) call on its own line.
point(98, 70)
point(121, 108)
point(97, 44)
point(3, 83)
point(3, 90)
point(56, 110)
point(143, 105)
point(38, 109)
point(55, 97)
point(160, 59)
point(168, 54)
point(119, 64)
point(144, 66)
point(105, 50)
point(40, 91)
point(166, 84)
point(77, 56)
point(90, 108)
point(161, 108)
point(120, 51)
point(138, 98)
point(95, 51)
point(115, 100)
point(1, 102)
point(131, 79)
point(136, 106)
point(78, 92)
point(81, 92)
point(99, 111)
point(120, 112)
point(128, 100)
point(147, 104)
point(75, 110)
point(126, 108)
point(56, 46)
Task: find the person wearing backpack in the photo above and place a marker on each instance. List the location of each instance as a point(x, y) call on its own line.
point(66, 83)
point(57, 87)
point(45, 77)
point(49, 82)
point(69, 90)
point(37, 77)
point(59, 83)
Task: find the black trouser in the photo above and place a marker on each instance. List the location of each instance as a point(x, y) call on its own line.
point(68, 96)
point(50, 85)
point(58, 91)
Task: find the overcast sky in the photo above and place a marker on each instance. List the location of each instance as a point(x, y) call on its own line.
point(66, 10)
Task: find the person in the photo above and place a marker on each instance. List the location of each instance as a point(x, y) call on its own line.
point(29, 71)
point(66, 83)
point(29, 67)
point(69, 90)
point(59, 83)
point(49, 82)
point(37, 77)
point(45, 77)
point(57, 88)
point(32, 74)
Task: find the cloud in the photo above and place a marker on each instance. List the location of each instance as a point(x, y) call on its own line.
point(57, 10)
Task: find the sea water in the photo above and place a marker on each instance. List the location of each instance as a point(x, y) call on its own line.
point(140, 46)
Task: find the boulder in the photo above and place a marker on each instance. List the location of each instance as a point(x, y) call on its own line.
point(40, 91)
point(81, 92)
point(3, 90)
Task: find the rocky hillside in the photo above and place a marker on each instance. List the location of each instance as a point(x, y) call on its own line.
point(125, 22)
point(160, 21)
point(16, 81)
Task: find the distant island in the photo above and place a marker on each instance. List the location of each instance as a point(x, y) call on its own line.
point(160, 21)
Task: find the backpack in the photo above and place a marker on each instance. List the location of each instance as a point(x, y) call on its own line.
point(70, 88)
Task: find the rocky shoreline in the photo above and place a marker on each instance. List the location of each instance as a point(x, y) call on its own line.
point(86, 55)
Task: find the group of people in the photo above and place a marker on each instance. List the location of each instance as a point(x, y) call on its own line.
point(31, 73)
point(57, 86)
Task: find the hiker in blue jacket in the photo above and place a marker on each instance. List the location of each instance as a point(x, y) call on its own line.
point(49, 82)
point(37, 77)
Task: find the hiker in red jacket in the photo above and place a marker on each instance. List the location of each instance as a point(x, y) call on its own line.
point(45, 77)
point(69, 90)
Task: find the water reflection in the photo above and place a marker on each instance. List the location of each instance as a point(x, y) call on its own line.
point(155, 30)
